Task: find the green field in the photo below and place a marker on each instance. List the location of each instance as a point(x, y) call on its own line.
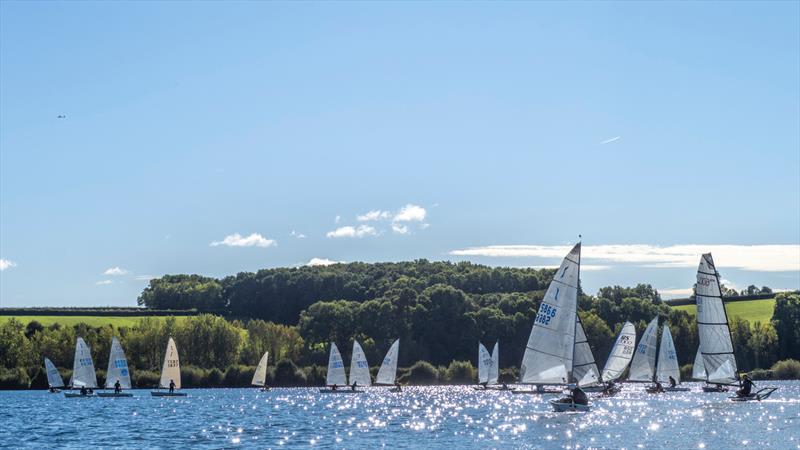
point(94, 321)
point(750, 310)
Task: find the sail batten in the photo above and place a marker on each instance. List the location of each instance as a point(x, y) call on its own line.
point(388, 371)
point(117, 367)
point(716, 347)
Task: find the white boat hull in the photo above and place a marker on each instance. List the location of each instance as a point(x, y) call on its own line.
point(568, 407)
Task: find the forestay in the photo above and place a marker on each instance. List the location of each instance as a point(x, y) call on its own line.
point(621, 353)
point(484, 364)
point(336, 375)
point(117, 367)
point(548, 354)
point(83, 374)
point(53, 377)
point(667, 359)
point(698, 368)
point(494, 369)
point(644, 358)
point(260, 377)
point(712, 321)
point(388, 371)
point(359, 368)
point(584, 368)
point(171, 369)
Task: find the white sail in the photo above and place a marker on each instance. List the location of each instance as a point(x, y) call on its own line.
point(548, 354)
point(359, 368)
point(336, 375)
point(667, 359)
point(83, 374)
point(171, 370)
point(117, 367)
point(712, 321)
point(260, 376)
point(484, 364)
point(621, 354)
point(53, 377)
point(388, 370)
point(644, 358)
point(698, 368)
point(584, 368)
point(494, 370)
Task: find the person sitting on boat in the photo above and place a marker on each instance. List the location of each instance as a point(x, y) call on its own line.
point(91, 391)
point(579, 397)
point(355, 384)
point(334, 387)
point(747, 387)
point(658, 387)
point(485, 385)
point(117, 388)
point(397, 386)
point(672, 382)
point(610, 388)
point(53, 390)
point(171, 386)
point(505, 387)
point(83, 390)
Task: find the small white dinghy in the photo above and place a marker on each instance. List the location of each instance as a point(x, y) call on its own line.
point(117, 372)
point(336, 379)
point(387, 374)
point(83, 373)
point(484, 367)
point(54, 380)
point(667, 365)
point(260, 376)
point(170, 373)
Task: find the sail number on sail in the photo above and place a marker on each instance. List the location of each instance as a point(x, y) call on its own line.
point(85, 361)
point(546, 313)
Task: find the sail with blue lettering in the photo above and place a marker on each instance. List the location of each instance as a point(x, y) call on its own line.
point(667, 359)
point(83, 374)
point(359, 368)
point(621, 354)
point(644, 358)
point(494, 369)
point(336, 375)
point(484, 364)
point(117, 367)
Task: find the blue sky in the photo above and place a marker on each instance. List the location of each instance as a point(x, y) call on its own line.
point(464, 127)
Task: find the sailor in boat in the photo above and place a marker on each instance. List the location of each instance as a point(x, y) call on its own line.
point(355, 384)
point(576, 396)
point(485, 384)
point(84, 391)
point(658, 387)
point(747, 387)
point(334, 387)
point(505, 387)
point(610, 388)
point(171, 386)
point(672, 382)
point(117, 388)
point(53, 390)
point(397, 386)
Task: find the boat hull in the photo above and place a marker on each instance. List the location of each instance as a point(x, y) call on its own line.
point(72, 395)
point(339, 391)
point(534, 391)
point(113, 395)
point(168, 394)
point(593, 388)
point(568, 407)
point(713, 389)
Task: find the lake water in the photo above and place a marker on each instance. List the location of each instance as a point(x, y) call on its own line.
point(428, 417)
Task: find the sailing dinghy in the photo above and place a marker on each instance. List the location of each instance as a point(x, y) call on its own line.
point(698, 368)
point(584, 368)
point(643, 365)
point(618, 360)
point(260, 376)
point(54, 380)
point(387, 374)
point(716, 346)
point(117, 371)
point(170, 373)
point(336, 378)
point(83, 374)
point(667, 365)
point(484, 367)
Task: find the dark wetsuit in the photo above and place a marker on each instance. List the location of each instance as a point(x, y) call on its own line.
point(397, 386)
point(171, 386)
point(672, 382)
point(117, 387)
point(747, 388)
point(579, 397)
point(355, 384)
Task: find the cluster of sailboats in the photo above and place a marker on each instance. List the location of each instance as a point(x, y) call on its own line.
point(336, 379)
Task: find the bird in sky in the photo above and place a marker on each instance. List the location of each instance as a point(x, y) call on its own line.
point(62, 116)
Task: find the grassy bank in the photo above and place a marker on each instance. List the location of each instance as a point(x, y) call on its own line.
point(752, 310)
point(93, 321)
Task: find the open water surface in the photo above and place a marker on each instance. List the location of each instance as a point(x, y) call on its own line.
point(421, 417)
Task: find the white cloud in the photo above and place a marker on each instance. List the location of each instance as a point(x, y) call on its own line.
point(337, 219)
point(373, 215)
point(410, 213)
point(322, 262)
point(399, 228)
point(145, 277)
point(352, 232)
point(115, 271)
point(608, 141)
point(759, 258)
point(6, 264)
point(675, 293)
point(584, 267)
point(237, 240)
point(104, 282)
point(298, 235)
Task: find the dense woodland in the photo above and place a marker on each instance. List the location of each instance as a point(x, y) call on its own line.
point(439, 311)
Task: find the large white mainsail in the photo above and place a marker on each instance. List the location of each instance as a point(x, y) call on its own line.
point(551, 344)
point(336, 375)
point(698, 368)
point(359, 368)
point(584, 368)
point(53, 377)
point(667, 359)
point(117, 367)
point(83, 374)
point(494, 369)
point(644, 358)
point(621, 354)
point(260, 376)
point(712, 321)
point(484, 364)
point(388, 371)
point(171, 369)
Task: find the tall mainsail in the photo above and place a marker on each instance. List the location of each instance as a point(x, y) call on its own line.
point(621, 354)
point(260, 376)
point(484, 364)
point(644, 359)
point(494, 369)
point(359, 368)
point(117, 367)
point(336, 374)
point(712, 321)
point(53, 377)
point(171, 369)
point(551, 344)
point(667, 359)
point(388, 371)
point(698, 368)
point(584, 368)
point(83, 374)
